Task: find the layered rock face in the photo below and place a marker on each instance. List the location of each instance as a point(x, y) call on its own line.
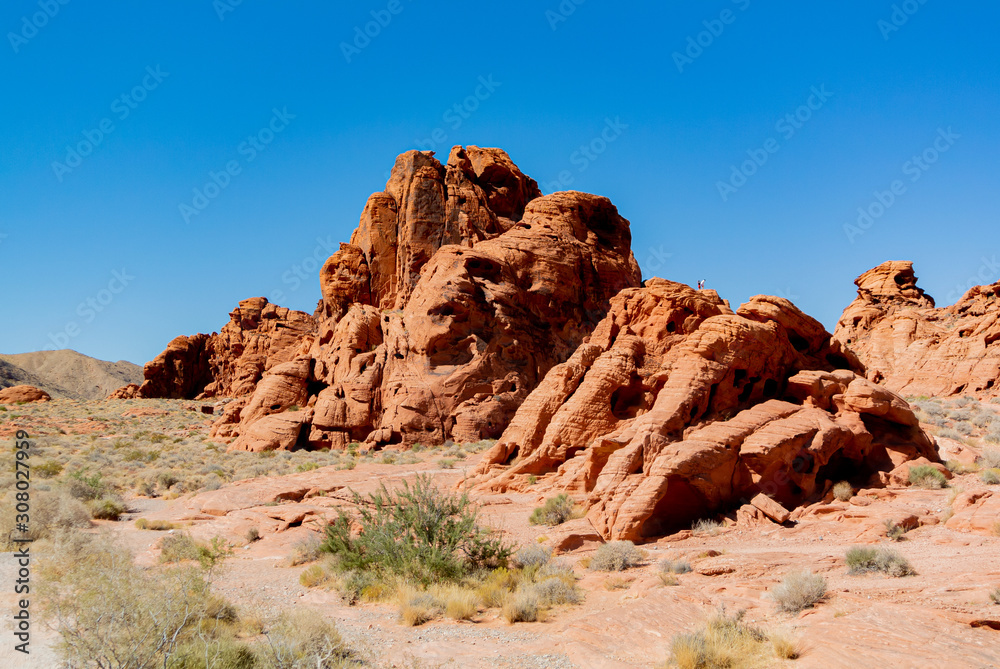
point(229, 363)
point(676, 406)
point(916, 349)
point(461, 287)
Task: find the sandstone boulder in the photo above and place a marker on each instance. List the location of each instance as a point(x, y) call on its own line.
point(914, 348)
point(20, 394)
point(676, 407)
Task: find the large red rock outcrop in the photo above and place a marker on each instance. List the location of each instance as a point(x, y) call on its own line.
point(19, 394)
point(676, 406)
point(916, 349)
point(461, 287)
point(229, 363)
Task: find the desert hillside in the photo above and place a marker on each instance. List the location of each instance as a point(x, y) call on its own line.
point(67, 373)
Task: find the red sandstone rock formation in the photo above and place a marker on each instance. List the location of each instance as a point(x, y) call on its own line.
point(16, 394)
point(229, 363)
point(916, 349)
point(460, 289)
point(676, 406)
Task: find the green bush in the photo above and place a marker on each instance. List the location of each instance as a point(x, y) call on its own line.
point(417, 532)
point(616, 556)
point(862, 559)
point(555, 511)
point(925, 476)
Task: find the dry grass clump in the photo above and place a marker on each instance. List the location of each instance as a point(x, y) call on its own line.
point(674, 567)
point(798, 591)
point(990, 476)
point(990, 459)
point(521, 607)
point(893, 531)
point(154, 525)
point(706, 526)
point(616, 556)
point(926, 476)
point(726, 642)
point(843, 491)
point(305, 550)
point(863, 560)
point(995, 596)
point(556, 511)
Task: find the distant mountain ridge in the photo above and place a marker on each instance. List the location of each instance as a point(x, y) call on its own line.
point(67, 373)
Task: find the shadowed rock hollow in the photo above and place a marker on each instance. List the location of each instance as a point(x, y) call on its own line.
point(676, 407)
point(917, 349)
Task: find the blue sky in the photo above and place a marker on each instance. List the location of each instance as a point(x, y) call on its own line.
point(99, 256)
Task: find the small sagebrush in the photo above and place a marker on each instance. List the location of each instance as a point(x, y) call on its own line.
point(798, 591)
point(668, 566)
point(616, 556)
point(862, 560)
point(925, 476)
point(532, 556)
point(990, 459)
point(990, 476)
point(556, 511)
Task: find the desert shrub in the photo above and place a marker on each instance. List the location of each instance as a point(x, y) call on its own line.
point(522, 606)
point(106, 508)
point(305, 640)
point(706, 526)
point(798, 591)
point(959, 468)
point(668, 566)
point(995, 596)
point(964, 429)
point(666, 578)
point(52, 512)
point(554, 591)
point(110, 613)
point(178, 547)
point(950, 434)
point(984, 418)
point(932, 409)
point(960, 415)
point(926, 476)
point(532, 556)
point(616, 556)
point(728, 642)
point(447, 463)
point(556, 511)
point(862, 559)
point(416, 532)
point(617, 583)
point(990, 476)
point(843, 491)
point(48, 469)
point(85, 488)
point(990, 459)
point(252, 535)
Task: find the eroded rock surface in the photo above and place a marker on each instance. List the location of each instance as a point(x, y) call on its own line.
point(676, 407)
point(22, 393)
point(916, 349)
point(229, 363)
